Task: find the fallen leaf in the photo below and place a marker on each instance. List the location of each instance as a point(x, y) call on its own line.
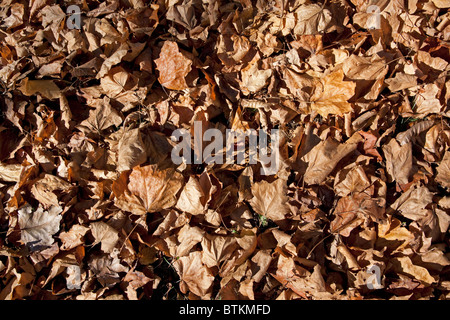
point(134, 280)
point(443, 171)
point(398, 161)
point(406, 266)
point(311, 19)
point(155, 188)
point(47, 88)
point(37, 227)
point(112, 60)
point(412, 203)
point(324, 157)
point(401, 81)
point(216, 249)
point(191, 197)
point(10, 172)
point(131, 150)
point(101, 118)
point(195, 276)
point(173, 67)
point(353, 181)
point(74, 237)
point(331, 95)
point(106, 268)
point(253, 78)
point(269, 199)
point(104, 234)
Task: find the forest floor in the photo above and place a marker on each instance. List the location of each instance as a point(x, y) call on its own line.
point(94, 203)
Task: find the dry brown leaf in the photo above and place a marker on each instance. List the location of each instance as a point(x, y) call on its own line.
point(406, 136)
point(367, 73)
point(101, 118)
point(247, 241)
point(112, 60)
point(46, 189)
point(10, 172)
point(15, 17)
point(37, 227)
point(171, 221)
point(406, 266)
point(195, 276)
point(147, 189)
point(401, 81)
point(348, 214)
point(104, 234)
point(260, 264)
point(427, 100)
point(269, 199)
point(156, 189)
point(363, 68)
point(106, 268)
point(191, 197)
point(131, 150)
point(253, 78)
point(134, 280)
point(217, 249)
point(173, 66)
point(331, 95)
point(115, 83)
point(412, 203)
point(74, 237)
point(311, 19)
point(47, 88)
point(443, 171)
point(441, 3)
point(187, 238)
point(394, 236)
point(398, 161)
point(351, 181)
point(324, 157)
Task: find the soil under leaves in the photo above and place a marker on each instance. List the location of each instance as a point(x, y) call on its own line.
point(93, 207)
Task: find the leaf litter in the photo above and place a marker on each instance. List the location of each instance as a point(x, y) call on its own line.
point(92, 207)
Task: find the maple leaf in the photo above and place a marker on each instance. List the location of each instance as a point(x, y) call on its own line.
point(311, 19)
point(10, 172)
point(148, 189)
point(16, 16)
point(360, 100)
point(157, 189)
point(37, 227)
point(101, 118)
point(443, 175)
point(134, 281)
point(106, 268)
point(195, 276)
point(331, 95)
point(324, 157)
point(73, 237)
point(114, 59)
point(354, 180)
point(117, 82)
point(131, 150)
point(406, 266)
point(269, 199)
point(398, 161)
point(173, 66)
point(191, 197)
point(253, 78)
point(217, 249)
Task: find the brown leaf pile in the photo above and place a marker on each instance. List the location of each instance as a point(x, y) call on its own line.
point(92, 207)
